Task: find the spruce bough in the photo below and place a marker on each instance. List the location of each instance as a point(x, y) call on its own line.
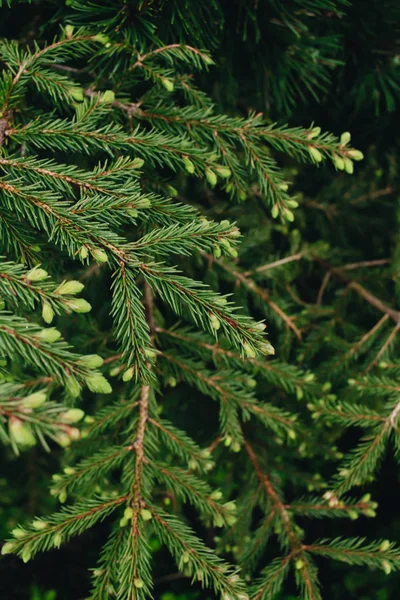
point(108, 153)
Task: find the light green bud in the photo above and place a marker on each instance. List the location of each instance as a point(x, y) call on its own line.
point(292, 203)
point(69, 287)
point(19, 533)
point(36, 274)
point(138, 583)
point(146, 514)
point(34, 400)
point(26, 555)
point(128, 513)
point(128, 374)
point(171, 381)
point(385, 545)
point(93, 361)
point(77, 94)
point(236, 447)
point(227, 441)
point(283, 186)
point(249, 350)
point(275, 211)
point(217, 252)
point(49, 335)
point(338, 162)
point(207, 59)
point(251, 383)
point(259, 327)
point(73, 415)
point(299, 564)
point(57, 540)
point(137, 163)
point(315, 154)
point(218, 521)
point(348, 166)
point(21, 433)
point(7, 548)
point(353, 515)
point(101, 38)
point(107, 97)
point(2, 304)
point(168, 84)
point(63, 439)
point(39, 525)
point(211, 177)
point(216, 495)
point(345, 138)
point(47, 313)
point(79, 305)
point(215, 322)
point(173, 192)
point(314, 133)
point(386, 567)
point(189, 166)
point(355, 155)
point(83, 253)
point(69, 30)
point(150, 354)
point(69, 471)
point(223, 172)
point(98, 384)
point(99, 255)
point(289, 216)
point(267, 348)
point(72, 386)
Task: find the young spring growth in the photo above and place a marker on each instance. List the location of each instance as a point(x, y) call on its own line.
point(69, 471)
point(338, 162)
point(21, 433)
point(93, 361)
point(275, 211)
point(98, 383)
point(189, 166)
point(386, 567)
point(128, 374)
point(292, 203)
point(107, 97)
point(2, 304)
point(217, 252)
point(345, 138)
point(223, 172)
point(57, 540)
point(72, 386)
point(39, 525)
point(101, 38)
point(77, 94)
point(211, 177)
point(299, 564)
point(73, 415)
point(34, 400)
point(259, 327)
point(7, 548)
point(171, 381)
point(385, 545)
point(49, 335)
point(83, 253)
point(47, 313)
point(150, 354)
point(348, 166)
point(215, 322)
point(132, 212)
point(216, 495)
point(63, 439)
point(315, 131)
point(69, 288)
point(69, 31)
point(267, 348)
point(236, 447)
point(18, 533)
point(288, 215)
point(173, 192)
point(283, 186)
point(218, 521)
point(99, 255)
point(138, 583)
point(36, 274)
point(315, 154)
point(128, 513)
point(79, 305)
point(355, 155)
point(248, 350)
point(168, 84)
point(146, 514)
point(26, 554)
point(353, 515)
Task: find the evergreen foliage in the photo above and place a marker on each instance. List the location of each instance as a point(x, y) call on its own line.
point(156, 215)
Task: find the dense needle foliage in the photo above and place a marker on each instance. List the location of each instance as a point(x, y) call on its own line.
point(199, 281)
